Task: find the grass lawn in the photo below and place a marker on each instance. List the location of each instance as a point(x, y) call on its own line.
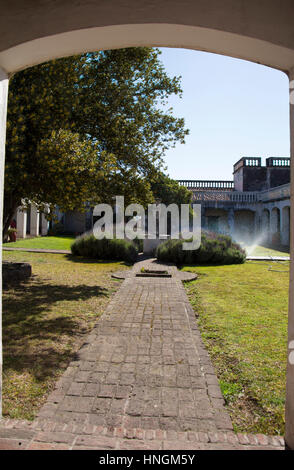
point(243, 320)
point(48, 243)
point(260, 250)
point(44, 321)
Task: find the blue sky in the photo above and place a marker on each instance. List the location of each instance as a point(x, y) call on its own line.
point(232, 107)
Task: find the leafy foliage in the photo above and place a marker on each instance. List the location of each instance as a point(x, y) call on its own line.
point(87, 127)
point(169, 191)
point(105, 249)
point(214, 250)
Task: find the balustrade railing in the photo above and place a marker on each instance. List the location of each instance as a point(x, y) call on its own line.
point(226, 196)
point(207, 184)
point(274, 161)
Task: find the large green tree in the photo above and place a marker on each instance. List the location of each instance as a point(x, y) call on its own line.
point(88, 127)
point(169, 191)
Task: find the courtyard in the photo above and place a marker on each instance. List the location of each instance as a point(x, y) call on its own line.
point(93, 362)
point(242, 322)
point(154, 389)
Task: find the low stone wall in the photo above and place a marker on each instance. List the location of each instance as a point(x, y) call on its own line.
point(15, 272)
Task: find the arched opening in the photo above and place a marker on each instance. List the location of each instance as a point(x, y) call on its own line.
point(244, 226)
point(285, 233)
point(265, 225)
point(225, 35)
point(275, 226)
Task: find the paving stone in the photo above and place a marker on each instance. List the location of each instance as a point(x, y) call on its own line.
point(47, 446)
point(58, 437)
point(76, 388)
point(77, 404)
point(13, 444)
point(70, 417)
point(97, 443)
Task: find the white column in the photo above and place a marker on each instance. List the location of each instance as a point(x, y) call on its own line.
point(44, 224)
point(34, 227)
point(289, 434)
point(21, 223)
point(3, 113)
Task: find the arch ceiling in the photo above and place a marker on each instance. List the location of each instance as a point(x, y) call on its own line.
point(38, 30)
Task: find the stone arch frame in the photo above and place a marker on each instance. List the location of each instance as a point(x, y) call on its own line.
point(261, 32)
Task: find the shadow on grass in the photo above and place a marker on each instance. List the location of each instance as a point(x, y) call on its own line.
point(32, 299)
point(81, 259)
point(36, 337)
point(41, 366)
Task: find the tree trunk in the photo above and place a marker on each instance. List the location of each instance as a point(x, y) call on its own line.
point(11, 203)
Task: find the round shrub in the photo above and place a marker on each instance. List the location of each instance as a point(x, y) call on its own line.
point(214, 249)
point(105, 249)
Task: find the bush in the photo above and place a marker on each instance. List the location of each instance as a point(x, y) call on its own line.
point(105, 249)
point(214, 249)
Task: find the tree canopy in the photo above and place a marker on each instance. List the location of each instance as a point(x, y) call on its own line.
point(88, 127)
point(169, 191)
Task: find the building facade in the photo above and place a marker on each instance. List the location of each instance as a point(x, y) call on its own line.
point(254, 207)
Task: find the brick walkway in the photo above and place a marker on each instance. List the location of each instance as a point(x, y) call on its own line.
point(142, 379)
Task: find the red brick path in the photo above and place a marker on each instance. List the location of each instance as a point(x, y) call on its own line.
point(49, 435)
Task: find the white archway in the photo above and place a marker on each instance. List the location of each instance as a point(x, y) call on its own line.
point(259, 31)
point(154, 35)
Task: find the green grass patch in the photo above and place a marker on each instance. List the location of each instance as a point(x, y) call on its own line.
point(243, 313)
point(47, 243)
point(260, 250)
point(44, 322)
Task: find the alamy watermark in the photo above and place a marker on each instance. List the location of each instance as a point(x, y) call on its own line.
point(132, 221)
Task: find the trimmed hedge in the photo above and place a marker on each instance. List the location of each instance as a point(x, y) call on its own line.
point(214, 249)
point(105, 249)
